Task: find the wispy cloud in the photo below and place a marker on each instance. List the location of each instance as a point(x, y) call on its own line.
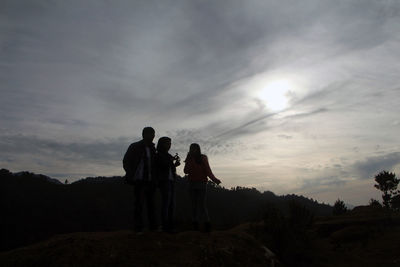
point(102, 152)
point(371, 166)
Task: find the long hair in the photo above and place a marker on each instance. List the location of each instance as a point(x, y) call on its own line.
point(161, 144)
point(195, 153)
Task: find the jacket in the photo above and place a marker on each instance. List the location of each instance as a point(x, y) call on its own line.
point(198, 172)
point(163, 165)
point(133, 156)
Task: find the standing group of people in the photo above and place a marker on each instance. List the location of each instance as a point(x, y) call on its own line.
point(148, 167)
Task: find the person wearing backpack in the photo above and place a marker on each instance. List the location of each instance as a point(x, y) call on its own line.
point(166, 175)
point(198, 169)
point(138, 164)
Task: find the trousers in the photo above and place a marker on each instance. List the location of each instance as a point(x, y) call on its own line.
point(198, 192)
point(144, 192)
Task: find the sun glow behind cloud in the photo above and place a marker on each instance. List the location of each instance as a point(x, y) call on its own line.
point(274, 94)
point(275, 90)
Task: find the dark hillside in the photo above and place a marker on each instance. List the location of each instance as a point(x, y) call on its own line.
point(36, 208)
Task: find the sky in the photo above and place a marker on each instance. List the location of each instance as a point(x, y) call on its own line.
point(288, 96)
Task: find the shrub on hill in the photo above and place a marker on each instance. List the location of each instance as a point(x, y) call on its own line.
point(339, 207)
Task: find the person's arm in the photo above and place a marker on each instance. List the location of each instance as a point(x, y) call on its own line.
point(209, 172)
point(129, 160)
point(186, 169)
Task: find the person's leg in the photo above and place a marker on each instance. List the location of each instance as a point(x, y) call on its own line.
point(203, 207)
point(150, 192)
point(171, 206)
point(138, 206)
point(203, 204)
point(164, 204)
point(194, 200)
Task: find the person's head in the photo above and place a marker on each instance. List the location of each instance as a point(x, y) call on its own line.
point(164, 144)
point(194, 149)
point(148, 134)
point(195, 152)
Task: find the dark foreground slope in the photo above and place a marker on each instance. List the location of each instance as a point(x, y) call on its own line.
point(363, 237)
point(366, 236)
point(125, 248)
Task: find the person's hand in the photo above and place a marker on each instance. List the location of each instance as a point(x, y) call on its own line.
point(177, 160)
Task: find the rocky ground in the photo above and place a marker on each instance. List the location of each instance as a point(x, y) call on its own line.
point(125, 248)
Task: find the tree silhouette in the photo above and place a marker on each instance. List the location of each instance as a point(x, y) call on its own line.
point(339, 207)
point(387, 183)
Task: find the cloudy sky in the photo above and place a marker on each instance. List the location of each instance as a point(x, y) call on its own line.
point(288, 96)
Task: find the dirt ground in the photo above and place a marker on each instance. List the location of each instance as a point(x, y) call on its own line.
point(126, 248)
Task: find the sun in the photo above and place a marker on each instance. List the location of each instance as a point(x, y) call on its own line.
point(274, 94)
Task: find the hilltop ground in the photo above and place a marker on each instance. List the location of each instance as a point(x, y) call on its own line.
point(125, 248)
point(363, 237)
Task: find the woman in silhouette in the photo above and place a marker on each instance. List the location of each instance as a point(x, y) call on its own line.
point(165, 165)
point(198, 170)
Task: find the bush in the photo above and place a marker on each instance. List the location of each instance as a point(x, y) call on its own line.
point(375, 203)
point(339, 207)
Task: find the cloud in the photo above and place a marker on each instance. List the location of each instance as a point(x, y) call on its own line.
point(176, 59)
point(284, 136)
point(181, 140)
point(78, 77)
point(258, 124)
point(322, 184)
point(108, 151)
point(369, 167)
point(100, 152)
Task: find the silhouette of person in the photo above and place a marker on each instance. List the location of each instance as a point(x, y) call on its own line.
point(166, 174)
point(138, 163)
point(198, 169)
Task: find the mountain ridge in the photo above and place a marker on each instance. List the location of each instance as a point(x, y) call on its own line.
point(106, 204)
